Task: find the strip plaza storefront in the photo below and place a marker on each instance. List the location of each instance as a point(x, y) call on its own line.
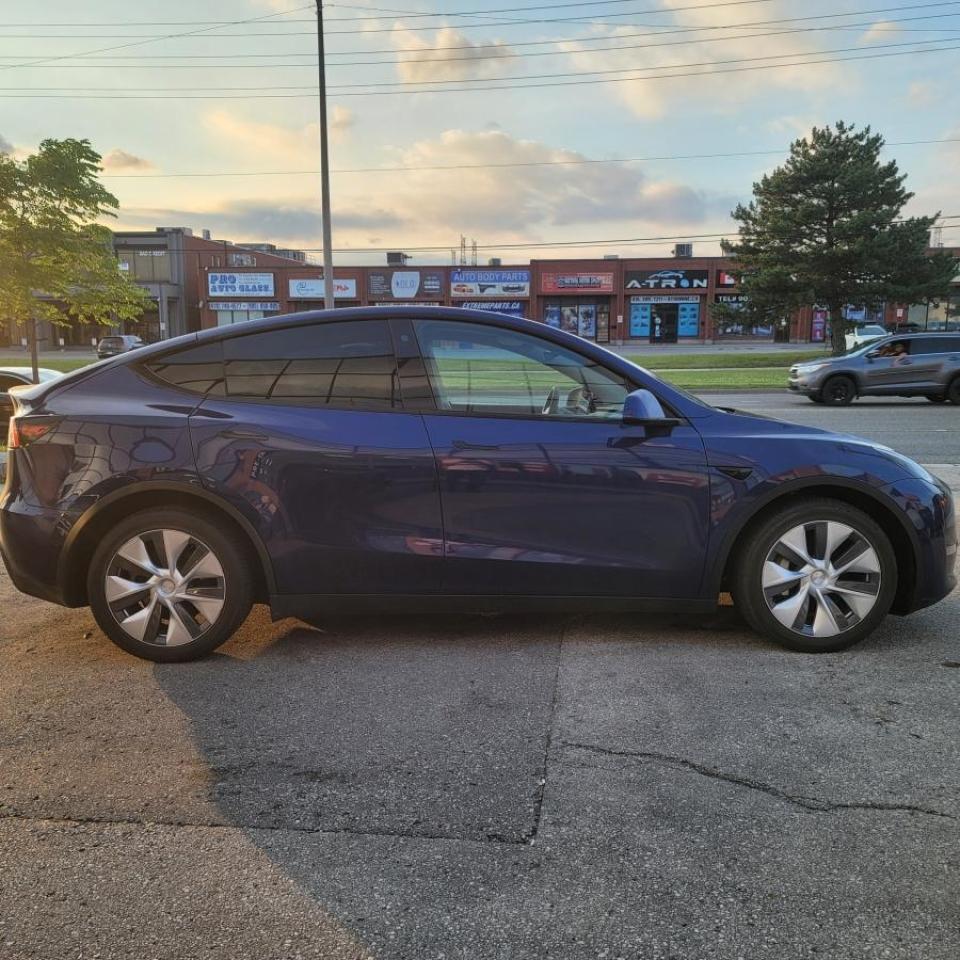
point(500, 290)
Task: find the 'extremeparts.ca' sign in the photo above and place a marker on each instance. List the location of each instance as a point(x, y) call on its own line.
point(240, 284)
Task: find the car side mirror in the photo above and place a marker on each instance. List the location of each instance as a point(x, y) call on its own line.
point(643, 409)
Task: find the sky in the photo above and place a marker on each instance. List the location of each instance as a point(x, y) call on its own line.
point(490, 109)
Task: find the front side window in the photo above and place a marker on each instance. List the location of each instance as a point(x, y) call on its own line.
point(479, 369)
point(348, 364)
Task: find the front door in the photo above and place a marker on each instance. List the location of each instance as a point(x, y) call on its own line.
point(311, 441)
point(894, 366)
point(544, 490)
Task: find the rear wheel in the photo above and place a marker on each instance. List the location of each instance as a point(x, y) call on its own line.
point(839, 391)
point(168, 585)
point(818, 576)
point(953, 391)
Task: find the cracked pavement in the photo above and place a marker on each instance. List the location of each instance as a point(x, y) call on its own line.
point(502, 787)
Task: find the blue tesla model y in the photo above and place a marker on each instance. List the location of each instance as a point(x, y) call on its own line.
point(408, 456)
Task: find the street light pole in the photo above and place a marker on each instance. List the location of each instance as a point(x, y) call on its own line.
point(328, 301)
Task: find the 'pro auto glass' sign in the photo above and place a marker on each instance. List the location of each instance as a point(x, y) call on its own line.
point(240, 284)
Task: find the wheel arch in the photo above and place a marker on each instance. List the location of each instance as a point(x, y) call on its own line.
point(889, 518)
point(85, 534)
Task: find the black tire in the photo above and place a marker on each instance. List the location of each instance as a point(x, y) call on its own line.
point(936, 398)
point(953, 391)
point(747, 583)
point(839, 391)
point(235, 588)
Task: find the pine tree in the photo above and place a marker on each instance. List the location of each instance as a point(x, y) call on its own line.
point(825, 228)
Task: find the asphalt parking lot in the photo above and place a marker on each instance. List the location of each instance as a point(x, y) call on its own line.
point(483, 787)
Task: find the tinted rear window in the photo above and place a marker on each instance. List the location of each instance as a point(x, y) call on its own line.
point(197, 369)
point(111, 342)
point(935, 345)
point(348, 364)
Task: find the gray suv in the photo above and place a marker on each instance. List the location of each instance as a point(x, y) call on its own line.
point(903, 365)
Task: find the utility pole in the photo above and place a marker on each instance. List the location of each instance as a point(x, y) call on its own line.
point(328, 301)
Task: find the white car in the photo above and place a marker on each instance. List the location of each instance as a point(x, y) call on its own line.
point(864, 334)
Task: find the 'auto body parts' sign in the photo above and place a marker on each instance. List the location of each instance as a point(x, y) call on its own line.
point(240, 285)
point(495, 284)
point(667, 279)
point(404, 284)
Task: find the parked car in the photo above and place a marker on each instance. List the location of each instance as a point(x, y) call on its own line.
point(17, 377)
point(864, 333)
point(112, 346)
point(902, 365)
point(404, 457)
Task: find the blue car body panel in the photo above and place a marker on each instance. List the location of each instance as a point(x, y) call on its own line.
point(430, 503)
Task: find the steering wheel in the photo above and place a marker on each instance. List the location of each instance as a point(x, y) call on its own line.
point(551, 405)
point(580, 401)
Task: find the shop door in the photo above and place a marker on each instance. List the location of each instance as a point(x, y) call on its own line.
point(663, 323)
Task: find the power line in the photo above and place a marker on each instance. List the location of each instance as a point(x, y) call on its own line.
point(526, 55)
point(136, 43)
point(448, 13)
point(542, 76)
point(495, 166)
point(513, 86)
point(667, 30)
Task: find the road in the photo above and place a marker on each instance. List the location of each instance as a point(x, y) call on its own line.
point(926, 431)
point(471, 787)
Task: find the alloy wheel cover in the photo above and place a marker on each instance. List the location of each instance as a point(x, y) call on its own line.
point(165, 587)
point(821, 578)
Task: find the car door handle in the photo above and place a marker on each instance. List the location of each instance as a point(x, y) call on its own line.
point(467, 445)
point(238, 434)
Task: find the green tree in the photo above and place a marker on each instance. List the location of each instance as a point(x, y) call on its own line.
point(825, 228)
point(56, 260)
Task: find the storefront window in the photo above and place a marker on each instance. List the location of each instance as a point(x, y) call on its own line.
point(664, 319)
point(589, 319)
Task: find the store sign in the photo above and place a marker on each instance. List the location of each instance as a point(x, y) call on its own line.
point(576, 282)
point(733, 300)
point(513, 308)
point(725, 279)
point(312, 289)
point(267, 306)
point(240, 284)
point(664, 299)
point(404, 284)
point(667, 279)
point(490, 283)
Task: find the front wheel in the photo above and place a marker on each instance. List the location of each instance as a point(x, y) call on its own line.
point(953, 391)
point(168, 585)
point(816, 577)
point(839, 391)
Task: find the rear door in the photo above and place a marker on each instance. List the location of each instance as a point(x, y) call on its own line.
point(307, 434)
point(545, 491)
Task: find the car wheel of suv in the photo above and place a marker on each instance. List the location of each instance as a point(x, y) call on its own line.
point(839, 391)
point(953, 391)
point(816, 577)
point(168, 585)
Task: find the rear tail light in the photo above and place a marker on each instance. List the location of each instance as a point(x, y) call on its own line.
point(22, 432)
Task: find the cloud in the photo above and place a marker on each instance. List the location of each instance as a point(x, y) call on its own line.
point(293, 145)
point(714, 37)
point(5, 145)
point(458, 183)
point(121, 160)
point(923, 93)
point(882, 30)
point(340, 122)
point(466, 63)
